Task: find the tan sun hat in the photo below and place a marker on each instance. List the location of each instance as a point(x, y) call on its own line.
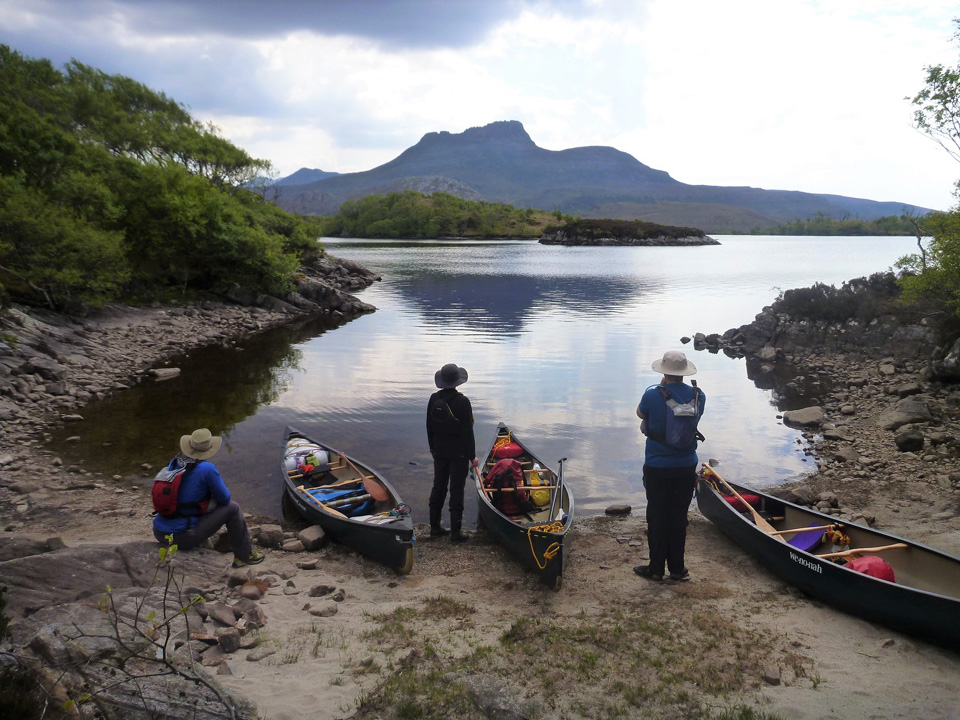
point(200, 445)
point(674, 362)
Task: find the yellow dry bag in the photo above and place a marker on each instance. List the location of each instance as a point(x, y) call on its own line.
point(539, 497)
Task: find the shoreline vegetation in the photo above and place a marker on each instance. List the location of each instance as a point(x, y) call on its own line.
point(622, 232)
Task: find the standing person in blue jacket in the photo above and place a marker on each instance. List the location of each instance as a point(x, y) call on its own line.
point(669, 466)
point(453, 447)
point(203, 503)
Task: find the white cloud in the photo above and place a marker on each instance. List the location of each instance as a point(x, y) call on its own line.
point(796, 94)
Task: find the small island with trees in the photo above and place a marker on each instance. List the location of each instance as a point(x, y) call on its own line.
point(622, 232)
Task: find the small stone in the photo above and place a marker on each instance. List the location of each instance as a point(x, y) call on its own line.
point(326, 610)
point(259, 653)
point(771, 675)
point(251, 592)
point(618, 510)
point(229, 639)
point(313, 537)
point(321, 590)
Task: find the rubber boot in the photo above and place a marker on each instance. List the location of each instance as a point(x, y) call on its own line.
point(436, 529)
point(457, 535)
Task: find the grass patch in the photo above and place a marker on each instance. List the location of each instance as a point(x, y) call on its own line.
point(442, 606)
point(624, 662)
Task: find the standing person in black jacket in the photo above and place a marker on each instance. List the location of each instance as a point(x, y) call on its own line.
point(452, 445)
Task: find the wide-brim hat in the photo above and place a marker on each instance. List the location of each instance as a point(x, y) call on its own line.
point(449, 376)
point(200, 444)
point(674, 362)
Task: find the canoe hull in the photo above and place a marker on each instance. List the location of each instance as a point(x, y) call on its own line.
point(930, 614)
point(392, 544)
point(541, 552)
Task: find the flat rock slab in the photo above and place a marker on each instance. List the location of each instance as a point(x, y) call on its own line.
point(77, 573)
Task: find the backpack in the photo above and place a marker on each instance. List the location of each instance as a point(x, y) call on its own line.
point(442, 417)
point(166, 488)
point(507, 473)
point(682, 419)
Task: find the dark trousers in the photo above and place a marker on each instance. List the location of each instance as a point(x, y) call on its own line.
point(229, 515)
point(669, 492)
point(452, 472)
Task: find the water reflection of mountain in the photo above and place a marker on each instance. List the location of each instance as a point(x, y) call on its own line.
point(502, 304)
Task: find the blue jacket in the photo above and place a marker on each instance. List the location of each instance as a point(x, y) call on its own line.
point(652, 404)
point(201, 482)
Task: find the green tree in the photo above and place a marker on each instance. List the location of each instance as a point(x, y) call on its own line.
point(937, 105)
point(934, 274)
point(110, 190)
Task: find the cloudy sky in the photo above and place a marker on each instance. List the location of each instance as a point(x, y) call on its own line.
point(780, 94)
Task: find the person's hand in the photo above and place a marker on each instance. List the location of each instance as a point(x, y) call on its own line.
point(475, 463)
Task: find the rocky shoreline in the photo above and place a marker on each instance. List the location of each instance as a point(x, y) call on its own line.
point(52, 364)
point(878, 406)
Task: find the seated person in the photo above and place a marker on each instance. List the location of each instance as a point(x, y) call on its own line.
point(203, 503)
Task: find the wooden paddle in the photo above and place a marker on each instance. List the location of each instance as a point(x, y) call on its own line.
point(757, 517)
point(804, 529)
point(376, 490)
point(859, 551)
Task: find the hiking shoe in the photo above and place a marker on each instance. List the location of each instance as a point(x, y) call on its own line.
point(645, 572)
point(254, 559)
point(459, 537)
point(438, 531)
point(681, 576)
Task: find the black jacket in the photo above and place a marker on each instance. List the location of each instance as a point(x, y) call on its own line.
point(450, 431)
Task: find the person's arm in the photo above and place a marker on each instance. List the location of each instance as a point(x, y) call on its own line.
point(465, 416)
point(215, 485)
point(642, 413)
point(429, 429)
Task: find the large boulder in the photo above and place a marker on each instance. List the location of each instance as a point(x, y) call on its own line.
point(805, 417)
point(907, 411)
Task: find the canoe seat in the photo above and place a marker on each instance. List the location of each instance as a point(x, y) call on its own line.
point(806, 540)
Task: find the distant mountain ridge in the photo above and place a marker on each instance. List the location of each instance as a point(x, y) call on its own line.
point(499, 162)
point(304, 176)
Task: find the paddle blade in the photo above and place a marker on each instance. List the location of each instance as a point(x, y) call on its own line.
point(376, 490)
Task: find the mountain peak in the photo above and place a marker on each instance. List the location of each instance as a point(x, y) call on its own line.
point(503, 131)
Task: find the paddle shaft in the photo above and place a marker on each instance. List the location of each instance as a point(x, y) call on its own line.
point(805, 529)
point(555, 502)
point(757, 517)
point(858, 551)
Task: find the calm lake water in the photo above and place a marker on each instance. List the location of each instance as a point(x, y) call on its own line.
point(558, 343)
